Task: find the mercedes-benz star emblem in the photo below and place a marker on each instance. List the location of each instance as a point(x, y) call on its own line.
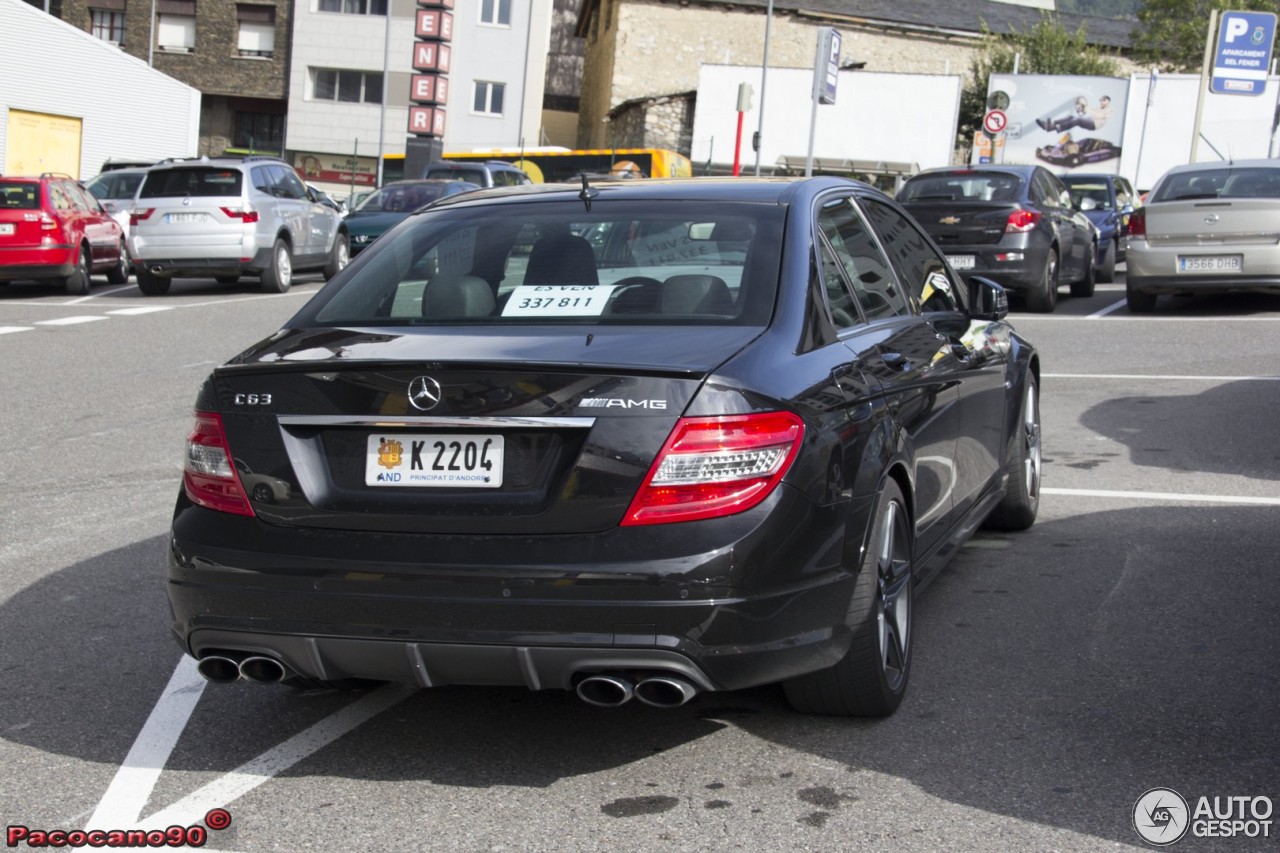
point(424, 393)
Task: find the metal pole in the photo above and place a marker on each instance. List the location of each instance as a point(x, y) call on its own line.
point(813, 126)
point(1142, 137)
point(382, 109)
point(151, 38)
point(355, 150)
point(764, 79)
point(1204, 83)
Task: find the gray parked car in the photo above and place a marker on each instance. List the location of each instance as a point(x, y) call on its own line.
point(490, 173)
point(1206, 228)
point(224, 218)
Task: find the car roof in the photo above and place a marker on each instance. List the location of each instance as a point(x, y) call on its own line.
point(1224, 164)
point(1024, 169)
point(759, 190)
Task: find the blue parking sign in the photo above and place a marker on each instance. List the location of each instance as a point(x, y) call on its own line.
point(1243, 57)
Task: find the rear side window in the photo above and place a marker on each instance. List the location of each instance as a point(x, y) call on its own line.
point(557, 263)
point(115, 186)
point(20, 196)
point(923, 269)
point(871, 278)
point(193, 181)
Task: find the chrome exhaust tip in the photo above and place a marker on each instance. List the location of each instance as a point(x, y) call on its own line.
point(665, 691)
point(263, 670)
point(218, 669)
point(605, 691)
point(157, 270)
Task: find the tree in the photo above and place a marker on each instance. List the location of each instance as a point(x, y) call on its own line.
point(1046, 48)
point(1170, 33)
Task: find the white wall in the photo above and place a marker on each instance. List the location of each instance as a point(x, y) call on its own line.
point(877, 116)
point(127, 109)
point(1238, 126)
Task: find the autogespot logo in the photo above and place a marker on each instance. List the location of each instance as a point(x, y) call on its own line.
point(1161, 816)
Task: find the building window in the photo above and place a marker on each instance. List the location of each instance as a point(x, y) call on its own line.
point(108, 25)
point(488, 99)
point(348, 87)
point(496, 12)
point(258, 133)
point(257, 36)
point(354, 7)
point(176, 29)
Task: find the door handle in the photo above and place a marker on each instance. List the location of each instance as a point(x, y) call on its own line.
point(896, 360)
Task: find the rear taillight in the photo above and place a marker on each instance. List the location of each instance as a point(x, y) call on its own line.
point(1138, 222)
point(208, 474)
point(48, 223)
point(1022, 220)
point(712, 467)
point(248, 214)
point(138, 214)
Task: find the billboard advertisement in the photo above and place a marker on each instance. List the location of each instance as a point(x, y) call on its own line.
point(1064, 123)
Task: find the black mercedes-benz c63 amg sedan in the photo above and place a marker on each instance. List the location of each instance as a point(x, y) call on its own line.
point(635, 439)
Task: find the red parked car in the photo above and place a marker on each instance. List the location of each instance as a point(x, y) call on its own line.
point(51, 228)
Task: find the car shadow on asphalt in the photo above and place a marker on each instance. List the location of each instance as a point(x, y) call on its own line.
point(1058, 675)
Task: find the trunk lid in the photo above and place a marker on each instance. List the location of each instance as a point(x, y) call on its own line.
point(1213, 222)
point(974, 223)
point(541, 431)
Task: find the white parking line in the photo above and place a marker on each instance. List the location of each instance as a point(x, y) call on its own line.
point(129, 791)
point(4, 330)
point(96, 295)
point(142, 309)
point(1105, 311)
point(71, 321)
point(127, 795)
point(1162, 496)
point(1161, 376)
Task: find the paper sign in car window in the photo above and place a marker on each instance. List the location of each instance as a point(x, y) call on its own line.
point(558, 300)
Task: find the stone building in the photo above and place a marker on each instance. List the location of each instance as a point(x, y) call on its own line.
point(642, 57)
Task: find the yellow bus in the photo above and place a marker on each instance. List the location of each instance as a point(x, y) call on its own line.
point(551, 165)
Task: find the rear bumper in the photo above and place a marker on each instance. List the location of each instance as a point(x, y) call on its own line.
point(1015, 265)
point(1154, 269)
point(729, 604)
point(1201, 283)
point(196, 267)
point(37, 263)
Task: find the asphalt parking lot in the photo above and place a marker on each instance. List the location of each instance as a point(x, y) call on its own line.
point(1126, 642)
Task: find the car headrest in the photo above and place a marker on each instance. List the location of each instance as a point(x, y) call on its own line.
point(463, 296)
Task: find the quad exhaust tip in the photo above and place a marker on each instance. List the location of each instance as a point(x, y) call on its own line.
point(224, 670)
point(218, 669)
point(263, 670)
point(605, 691)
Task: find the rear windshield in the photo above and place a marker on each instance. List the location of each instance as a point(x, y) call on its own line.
point(1226, 182)
point(194, 180)
point(20, 195)
point(474, 175)
point(962, 186)
point(114, 186)
point(401, 197)
point(555, 262)
point(1096, 190)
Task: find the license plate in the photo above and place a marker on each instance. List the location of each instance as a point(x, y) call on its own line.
point(440, 460)
point(1210, 263)
point(185, 217)
point(6, 228)
point(960, 262)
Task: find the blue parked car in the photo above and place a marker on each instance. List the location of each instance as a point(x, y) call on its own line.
point(1107, 200)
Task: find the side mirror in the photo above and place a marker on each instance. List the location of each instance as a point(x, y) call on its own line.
point(987, 300)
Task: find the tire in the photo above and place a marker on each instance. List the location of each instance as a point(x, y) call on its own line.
point(1139, 302)
point(339, 256)
point(226, 279)
point(1107, 274)
point(151, 284)
point(119, 274)
point(1083, 288)
point(1021, 503)
point(1044, 298)
point(278, 275)
point(871, 679)
point(78, 282)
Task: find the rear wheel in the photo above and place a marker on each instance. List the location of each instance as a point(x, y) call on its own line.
point(339, 256)
point(1044, 297)
point(78, 282)
point(1083, 288)
point(278, 275)
point(1139, 301)
point(1021, 503)
point(152, 284)
point(871, 679)
point(119, 273)
point(1107, 274)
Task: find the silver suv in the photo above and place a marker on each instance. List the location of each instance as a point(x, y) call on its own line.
point(490, 173)
point(224, 218)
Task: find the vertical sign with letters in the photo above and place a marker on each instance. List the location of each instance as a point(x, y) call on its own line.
point(429, 86)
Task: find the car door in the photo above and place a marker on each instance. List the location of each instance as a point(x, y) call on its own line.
point(1072, 227)
point(100, 229)
point(977, 350)
point(899, 350)
point(294, 208)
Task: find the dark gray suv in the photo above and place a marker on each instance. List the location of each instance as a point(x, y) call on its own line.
point(491, 173)
point(224, 218)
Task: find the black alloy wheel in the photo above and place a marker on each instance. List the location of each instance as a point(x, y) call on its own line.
point(1021, 503)
point(871, 679)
